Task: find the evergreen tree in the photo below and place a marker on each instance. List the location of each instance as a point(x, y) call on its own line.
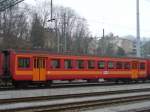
point(37, 32)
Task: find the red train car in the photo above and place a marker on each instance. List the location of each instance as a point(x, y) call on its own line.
point(148, 69)
point(27, 67)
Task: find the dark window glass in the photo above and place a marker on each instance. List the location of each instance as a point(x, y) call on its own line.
point(101, 64)
point(142, 66)
point(127, 65)
point(35, 63)
point(68, 64)
point(91, 64)
point(110, 65)
point(55, 63)
point(119, 65)
point(44, 63)
point(23, 62)
point(80, 64)
point(38, 63)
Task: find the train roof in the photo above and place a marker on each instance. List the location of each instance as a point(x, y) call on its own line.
point(46, 52)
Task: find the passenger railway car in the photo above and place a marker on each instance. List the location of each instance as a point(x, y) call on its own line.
point(22, 68)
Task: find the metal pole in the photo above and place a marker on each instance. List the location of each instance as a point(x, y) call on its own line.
point(51, 9)
point(103, 32)
point(103, 47)
point(138, 53)
point(56, 28)
point(65, 49)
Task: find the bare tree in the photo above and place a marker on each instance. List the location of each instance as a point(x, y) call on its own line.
point(13, 28)
point(68, 32)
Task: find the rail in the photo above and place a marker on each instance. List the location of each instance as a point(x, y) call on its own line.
point(75, 105)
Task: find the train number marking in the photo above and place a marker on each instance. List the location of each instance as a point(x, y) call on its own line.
point(105, 72)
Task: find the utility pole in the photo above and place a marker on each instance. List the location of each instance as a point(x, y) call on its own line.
point(103, 33)
point(57, 36)
point(103, 37)
point(65, 42)
point(138, 44)
point(51, 9)
point(56, 27)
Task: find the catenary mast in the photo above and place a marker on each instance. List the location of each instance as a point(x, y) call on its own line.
point(138, 47)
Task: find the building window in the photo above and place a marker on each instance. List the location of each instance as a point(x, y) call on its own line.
point(127, 65)
point(110, 65)
point(91, 64)
point(55, 63)
point(101, 64)
point(80, 64)
point(119, 65)
point(23, 62)
point(68, 64)
point(142, 66)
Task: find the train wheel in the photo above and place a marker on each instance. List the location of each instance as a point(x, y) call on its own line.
point(20, 85)
point(136, 81)
point(93, 80)
point(70, 81)
point(143, 80)
point(126, 81)
point(116, 81)
point(49, 83)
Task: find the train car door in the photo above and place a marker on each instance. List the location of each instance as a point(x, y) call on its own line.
point(39, 69)
point(134, 69)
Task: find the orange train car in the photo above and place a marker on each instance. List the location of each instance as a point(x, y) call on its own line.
point(27, 67)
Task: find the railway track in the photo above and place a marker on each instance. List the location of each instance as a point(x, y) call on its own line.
point(73, 101)
point(138, 110)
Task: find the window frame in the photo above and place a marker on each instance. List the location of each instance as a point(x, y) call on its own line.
point(71, 63)
point(125, 67)
point(135, 65)
point(88, 63)
point(78, 64)
point(112, 63)
point(141, 67)
point(121, 63)
point(99, 65)
point(24, 60)
point(59, 63)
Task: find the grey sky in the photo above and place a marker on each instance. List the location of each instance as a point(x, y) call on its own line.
point(117, 16)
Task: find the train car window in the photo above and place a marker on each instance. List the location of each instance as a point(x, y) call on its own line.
point(38, 63)
point(134, 65)
point(35, 63)
point(142, 66)
point(91, 64)
point(119, 65)
point(101, 64)
point(110, 65)
point(127, 65)
point(68, 64)
point(44, 63)
point(55, 63)
point(23, 62)
point(80, 64)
